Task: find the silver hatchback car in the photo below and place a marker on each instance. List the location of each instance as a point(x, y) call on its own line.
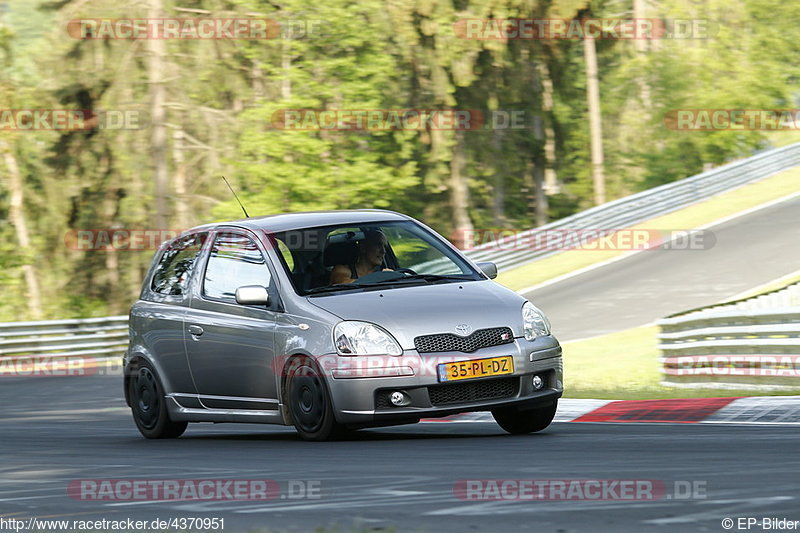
point(330, 322)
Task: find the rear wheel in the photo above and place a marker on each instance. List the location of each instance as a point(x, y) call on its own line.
point(310, 403)
point(148, 406)
point(522, 421)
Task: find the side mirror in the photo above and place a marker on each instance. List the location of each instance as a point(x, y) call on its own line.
point(488, 268)
point(252, 295)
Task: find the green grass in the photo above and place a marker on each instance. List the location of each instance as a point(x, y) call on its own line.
point(624, 366)
point(700, 214)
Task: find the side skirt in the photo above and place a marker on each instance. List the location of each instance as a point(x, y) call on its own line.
point(179, 413)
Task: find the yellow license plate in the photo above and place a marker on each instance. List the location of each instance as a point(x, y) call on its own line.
point(477, 368)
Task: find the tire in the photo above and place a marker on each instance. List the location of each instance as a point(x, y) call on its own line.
point(148, 407)
point(310, 403)
point(523, 421)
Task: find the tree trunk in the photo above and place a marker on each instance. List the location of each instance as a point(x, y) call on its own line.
point(540, 206)
point(286, 65)
point(641, 50)
point(158, 129)
point(114, 295)
point(459, 194)
point(595, 126)
point(16, 213)
point(286, 93)
point(110, 215)
point(498, 180)
point(181, 202)
point(551, 185)
point(258, 79)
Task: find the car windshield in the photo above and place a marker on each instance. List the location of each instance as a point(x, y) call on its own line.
point(340, 259)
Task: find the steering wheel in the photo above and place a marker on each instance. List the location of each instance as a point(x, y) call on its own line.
point(406, 271)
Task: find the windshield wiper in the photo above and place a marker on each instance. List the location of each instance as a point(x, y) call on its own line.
point(428, 277)
point(382, 283)
point(333, 288)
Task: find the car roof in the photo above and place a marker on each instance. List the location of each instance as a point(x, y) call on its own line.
point(293, 221)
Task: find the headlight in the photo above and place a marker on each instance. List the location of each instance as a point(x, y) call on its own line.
point(534, 323)
point(363, 338)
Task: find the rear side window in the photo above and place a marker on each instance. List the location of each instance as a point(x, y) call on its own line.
point(235, 261)
point(286, 253)
point(175, 267)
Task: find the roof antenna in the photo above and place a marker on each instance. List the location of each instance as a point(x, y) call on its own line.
point(237, 198)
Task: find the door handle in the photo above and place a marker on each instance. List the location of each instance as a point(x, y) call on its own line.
point(195, 330)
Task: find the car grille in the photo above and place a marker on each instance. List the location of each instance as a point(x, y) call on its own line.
point(448, 342)
point(487, 389)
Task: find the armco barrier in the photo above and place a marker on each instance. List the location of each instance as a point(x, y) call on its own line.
point(648, 204)
point(749, 343)
point(100, 338)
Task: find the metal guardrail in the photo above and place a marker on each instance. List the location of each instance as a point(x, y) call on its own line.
point(24, 345)
point(645, 205)
point(754, 342)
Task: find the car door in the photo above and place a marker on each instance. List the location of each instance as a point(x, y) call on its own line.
point(157, 319)
point(230, 347)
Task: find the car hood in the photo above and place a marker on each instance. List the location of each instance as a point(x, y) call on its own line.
point(408, 312)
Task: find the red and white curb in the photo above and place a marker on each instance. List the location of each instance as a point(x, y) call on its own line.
point(778, 410)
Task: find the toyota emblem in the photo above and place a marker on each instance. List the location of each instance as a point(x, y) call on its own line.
point(463, 329)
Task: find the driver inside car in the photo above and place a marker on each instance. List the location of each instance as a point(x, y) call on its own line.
point(371, 252)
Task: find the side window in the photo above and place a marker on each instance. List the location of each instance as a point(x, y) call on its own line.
point(286, 253)
point(235, 260)
point(175, 267)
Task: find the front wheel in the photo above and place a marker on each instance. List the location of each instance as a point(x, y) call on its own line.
point(147, 405)
point(523, 421)
point(310, 403)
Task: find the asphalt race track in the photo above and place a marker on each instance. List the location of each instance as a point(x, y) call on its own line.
point(750, 250)
point(60, 429)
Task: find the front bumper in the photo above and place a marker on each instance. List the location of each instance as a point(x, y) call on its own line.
point(360, 387)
